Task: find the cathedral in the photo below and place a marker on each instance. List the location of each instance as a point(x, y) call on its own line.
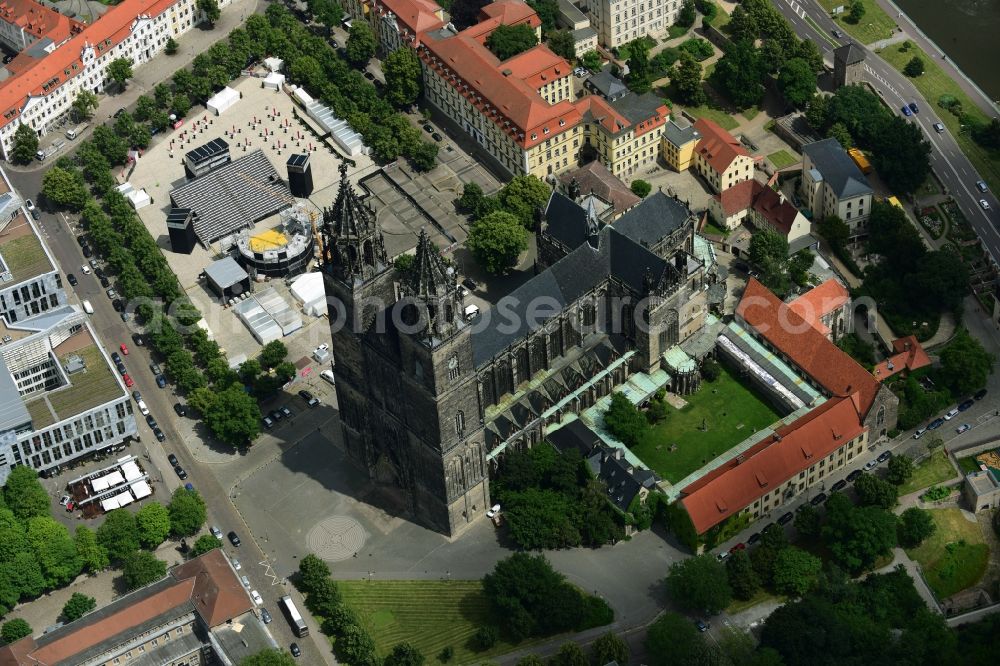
point(429, 400)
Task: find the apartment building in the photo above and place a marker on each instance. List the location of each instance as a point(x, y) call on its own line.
point(578, 24)
point(620, 21)
point(832, 184)
point(24, 23)
point(679, 140)
point(762, 207)
point(719, 157)
point(199, 614)
point(42, 86)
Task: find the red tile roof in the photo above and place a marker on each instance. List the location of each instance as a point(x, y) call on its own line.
point(748, 194)
point(51, 71)
point(806, 347)
point(511, 12)
point(414, 16)
point(597, 178)
point(909, 356)
point(38, 20)
point(717, 146)
point(537, 66)
point(207, 582)
point(501, 96)
point(737, 198)
point(796, 447)
point(820, 301)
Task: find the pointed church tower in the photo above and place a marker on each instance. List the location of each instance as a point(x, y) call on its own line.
point(434, 287)
point(353, 247)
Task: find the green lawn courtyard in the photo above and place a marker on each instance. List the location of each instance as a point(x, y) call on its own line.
point(429, 614)
point(732, 412)
point(931, 471)
point(782, 159)
point(955, 556)
point(873, 26)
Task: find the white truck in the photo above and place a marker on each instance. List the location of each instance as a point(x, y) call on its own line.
point(76, 131)
point(51, 150)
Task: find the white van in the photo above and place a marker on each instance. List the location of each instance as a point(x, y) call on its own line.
point(88, 308)
point(328, 376)
point(952, 414)
point(143, 409)
point(471, 312)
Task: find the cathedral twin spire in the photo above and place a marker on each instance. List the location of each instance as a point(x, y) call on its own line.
point(353, 247)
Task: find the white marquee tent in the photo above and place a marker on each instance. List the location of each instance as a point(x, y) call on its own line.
point(222, 100)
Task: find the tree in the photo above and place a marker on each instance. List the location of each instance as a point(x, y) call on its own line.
point(14, 630)
point(743, 580)
point(769, 252)
point(561, 43)
point(835, 231)
point(93, 555)
point(591, 60)
point(487, 636)
point(808, 521)
point(269, 657)
point(119, 534)
point(170, 48)
point(24, 495)
point(471, 199)
point(466, 12)
point(914, 68)
point(234, 416)
point(686, 81)
point(900, 154)
point(741, 72)
point(900, 469)
point(506, 41)
point(531, 596)
point(204, 544)
point(180, 104)
point(624, 420)
point(65, 188)
point(965, 365)
point(548, 13)
point(540, 518)
point(710, 369)
point(112, 146)
point(687, 15)
point(569, 654)
point(84, 105)
point(187, 512)
point(743, 25)
point(272, 354)
point(497, 241)
point(873, 491)
point(797, 82)
point(914, 526)
point(403, 654)
point(210, 10)
point(610, 647)
point(77, 606)
point(530, 660)
point(327, 12)
point(120, 70)
point(673, 639)
point(795, 571)
point(523, 196)
point(857, 12)
point(153, 522)
point(25, 144)
point(312, 571)
point(857, 536)
point(699, 584)
point(640, 188)
point(361, 44)
point(403, 79)
point(142, 568)
point(640, 72)
point(54, 550)
point(424, 157)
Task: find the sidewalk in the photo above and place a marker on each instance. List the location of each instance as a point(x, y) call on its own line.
point(191, 44)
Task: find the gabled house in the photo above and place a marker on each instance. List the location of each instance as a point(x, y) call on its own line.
point(832, 184)
point(719, 157)
point(764, 208)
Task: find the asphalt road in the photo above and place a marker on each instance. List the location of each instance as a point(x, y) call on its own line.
point(949, 163)
point(60, 236)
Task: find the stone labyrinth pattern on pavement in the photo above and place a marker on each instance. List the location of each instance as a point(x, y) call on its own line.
point(336, 538)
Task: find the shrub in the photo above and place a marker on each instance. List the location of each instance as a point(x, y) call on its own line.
point(486, 637)
point(935, 493)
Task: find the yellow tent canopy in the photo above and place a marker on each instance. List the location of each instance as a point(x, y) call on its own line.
point(268, 240)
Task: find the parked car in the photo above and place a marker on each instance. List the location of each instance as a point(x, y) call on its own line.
point(310, 399)
point(173, 459)
point(437, 137)
point(963, 428)
point(754, 538)
point(30, 205)
point(155, 369)
point(819, 499)
point(181, 474)
point(702, 625)
point(160, 437)
point(739, 546)
point(294, 649)
point(150, 421)
point(287, 413)
point(470, 284)
point(234, 539)
point(119, 112)
point(428, 128)
point(65, 500)
point(853, 475)
point(884, 456)
point(980, 394)
point(245, 581)
point(268, 423)
point(236, 563)
point(122, 370)
point(123, 348)
point(137, 339)
point(70, 505)
point(105, 282)
point(118, 305)
point(935, 424)
point(255, 595)
point(919, 433)
point(87, 252)
point(72, 279)
point(161, 381)
point(722, 556)
point(840, 485)
point(952, 413)
point(111, 293)
point(265, 617)
point(870, 465)
point(129, 383)
point(216, 532)
point(328, 376)
point(966, 404)
point(786, 518)
point(275, 415)
point(180, 409)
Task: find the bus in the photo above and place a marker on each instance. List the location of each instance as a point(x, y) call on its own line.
point(298, 624)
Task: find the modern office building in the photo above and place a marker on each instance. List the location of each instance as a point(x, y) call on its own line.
point(48, 73)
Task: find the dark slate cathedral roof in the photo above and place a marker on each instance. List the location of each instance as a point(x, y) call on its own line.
point(619, 252)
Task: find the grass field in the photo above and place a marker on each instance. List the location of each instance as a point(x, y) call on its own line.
point(954, 557)
point(873, 26)
point(25, 257)
point(969, 464)
point(782, 159)
point(931, 471)
point(732, 412)
point(88, 388)
point(934, 83)
point(429, 614)
point(720, 117)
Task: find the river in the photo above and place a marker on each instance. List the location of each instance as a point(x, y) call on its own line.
point(968, 31)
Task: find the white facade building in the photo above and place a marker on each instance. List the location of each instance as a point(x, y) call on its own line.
point(620, 21)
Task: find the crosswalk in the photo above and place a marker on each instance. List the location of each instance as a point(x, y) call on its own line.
point(797, 8)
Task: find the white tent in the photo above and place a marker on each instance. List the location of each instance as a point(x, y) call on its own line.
point(274, 81)
point(304, 98)
point(123, 499)
point(114, 479)
point(141, 489)
point(274, 64)
point(132, 471)
point(222, 100)
point(308, 290)
point(109, 504)
point(139, 199)
point(99, 484)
